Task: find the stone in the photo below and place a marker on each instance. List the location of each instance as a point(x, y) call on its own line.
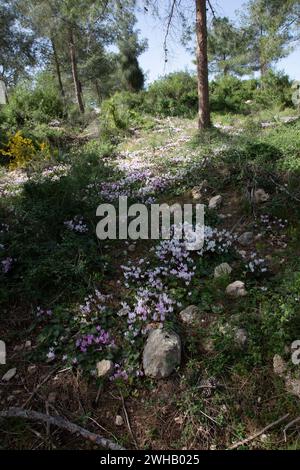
point(246, 238)
point(9, 374)
point(260, 196)
point(119, 421)
point(162, 353)
point(196, 193)
point(190, 314)
point(241, 337)
point(215, 202)
point(236, 289)
point(32, 369)
point(222, 270)
point(28, 344)
point(105, 368)
point(292, 386)
point(279, 366)
point(131, 248)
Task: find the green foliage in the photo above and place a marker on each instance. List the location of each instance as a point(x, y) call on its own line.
point(280, 314)
point(173, 95)
point(30, 105)
point(275, 90)
point(120, 114)
point(226, 48)
point(230, 94)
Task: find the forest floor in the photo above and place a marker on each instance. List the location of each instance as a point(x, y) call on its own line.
point(226, 388)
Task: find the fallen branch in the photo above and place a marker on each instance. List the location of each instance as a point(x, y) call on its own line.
point(60, 423)
point(288, 426)
point(259, 433)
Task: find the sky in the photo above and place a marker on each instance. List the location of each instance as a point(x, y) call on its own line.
point(153, 60)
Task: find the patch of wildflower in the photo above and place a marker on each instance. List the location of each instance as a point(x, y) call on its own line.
point(272, 223)
point(43, 313)
point(96, 340)
point(119, 373)
point(76, 225)
point(6, 265)
point(256, 264)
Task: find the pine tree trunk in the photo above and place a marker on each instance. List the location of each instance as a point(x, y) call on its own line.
point(76, 81)
point(57, 66)
point(202, 65)
point(98, 91)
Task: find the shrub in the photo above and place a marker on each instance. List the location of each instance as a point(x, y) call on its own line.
point(120, 114)
point(30, 105)
point(173, 95)
point(19, 151)
point(275, 90)
point(230, 94)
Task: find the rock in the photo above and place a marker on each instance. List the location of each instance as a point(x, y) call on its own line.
point(222, 270)
point(105, 368)
point(236, 289)
point(241, 337)
point(196, 193)
point(279, 366)
point(32, 369)
point(190, 314)
point(261, 196)
point(131, 248)
point(162, 353)
point(246, 238)
point(119, 421)
point(292, 386)
point(215, 202)
point(28, 344)
point(9, 374)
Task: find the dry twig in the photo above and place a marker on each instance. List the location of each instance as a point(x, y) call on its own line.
point(259, 433)
point(61, 423)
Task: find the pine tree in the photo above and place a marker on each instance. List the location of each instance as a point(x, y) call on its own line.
point(130, 48)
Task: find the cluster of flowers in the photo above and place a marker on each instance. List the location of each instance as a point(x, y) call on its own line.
point(4, 228)
point(153, 301)
point(6, 265)
point(12, 184)
point(119, 373)
point(76, 225)
point(273, 223)
point(217, 241)
point(93, 305)
point(56, 172)
point(43, 313)
point(256, 264)
point(99, 339)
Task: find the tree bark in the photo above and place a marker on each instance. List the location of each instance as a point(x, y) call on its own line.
point(77, 85)
point(202, 65)
point(98, 91)
point(57, 66)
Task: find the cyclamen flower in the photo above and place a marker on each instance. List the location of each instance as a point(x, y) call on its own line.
point(76, 225)
point(6, 265)
point(51, 354)
point(43, 313)
point(100, 339)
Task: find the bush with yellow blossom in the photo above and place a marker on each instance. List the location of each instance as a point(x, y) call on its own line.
point(19, 151)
